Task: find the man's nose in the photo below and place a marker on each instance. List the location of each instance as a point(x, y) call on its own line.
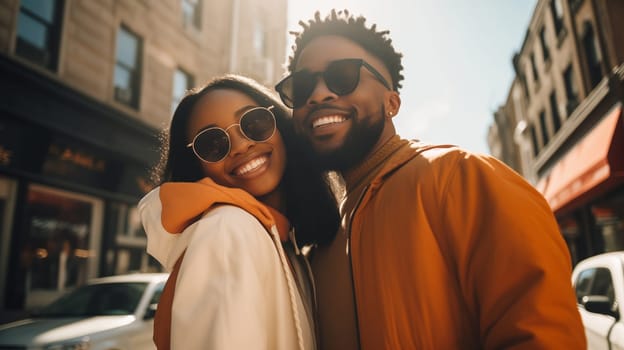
point(321, 93)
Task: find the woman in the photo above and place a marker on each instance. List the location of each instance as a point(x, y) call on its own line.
point(233, 183)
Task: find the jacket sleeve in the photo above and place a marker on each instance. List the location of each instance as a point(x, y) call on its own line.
point(513, 264)
point(226, 283)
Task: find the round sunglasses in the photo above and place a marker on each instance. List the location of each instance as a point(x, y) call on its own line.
point(213, 144)
point(341, 77)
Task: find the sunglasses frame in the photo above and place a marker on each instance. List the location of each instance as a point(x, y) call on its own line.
point(225, 131)
point(289, 102)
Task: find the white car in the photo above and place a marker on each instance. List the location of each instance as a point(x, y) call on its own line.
point(599, 285)
point(114, 312)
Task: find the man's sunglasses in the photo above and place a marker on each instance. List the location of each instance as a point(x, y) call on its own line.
point(341, 77)
point(213, 144)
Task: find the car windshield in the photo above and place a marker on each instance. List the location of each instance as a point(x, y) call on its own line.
point(96, 300)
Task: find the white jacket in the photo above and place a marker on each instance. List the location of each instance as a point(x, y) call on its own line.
point(234, 289)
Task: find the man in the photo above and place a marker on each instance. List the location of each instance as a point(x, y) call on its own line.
point(439, 248)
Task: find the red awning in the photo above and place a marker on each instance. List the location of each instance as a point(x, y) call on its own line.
point(594, 164)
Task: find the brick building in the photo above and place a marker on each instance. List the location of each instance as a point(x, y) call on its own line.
point(564, 116)
point(86, 86)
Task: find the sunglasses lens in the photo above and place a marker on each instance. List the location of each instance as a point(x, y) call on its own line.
point(302, 86)
point(258, 124)
point(212, 145)
point(342, 77)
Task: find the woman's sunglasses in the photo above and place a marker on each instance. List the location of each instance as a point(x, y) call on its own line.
point(213, 144)
point(341, 77)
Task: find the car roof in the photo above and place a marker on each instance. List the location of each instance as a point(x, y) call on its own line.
point(619, 255)
point(133, 277)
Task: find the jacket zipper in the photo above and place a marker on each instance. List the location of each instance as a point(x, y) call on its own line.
point(310, 276)
point(348, 231)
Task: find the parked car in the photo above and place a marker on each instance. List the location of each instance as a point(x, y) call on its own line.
point(114, 312)
point(599, 285)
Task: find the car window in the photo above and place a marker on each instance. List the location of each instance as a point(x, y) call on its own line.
point(603, 284)
point(157, 292)
point(583, 283)
point(98, 299)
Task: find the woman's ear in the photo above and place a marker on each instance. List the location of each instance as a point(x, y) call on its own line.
point(392, 103)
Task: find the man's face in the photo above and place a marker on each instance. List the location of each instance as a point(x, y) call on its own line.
point(342, 129)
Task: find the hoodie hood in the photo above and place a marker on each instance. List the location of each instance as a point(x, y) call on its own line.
point(170, 208)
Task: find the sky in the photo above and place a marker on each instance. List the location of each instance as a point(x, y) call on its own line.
point(456, 58)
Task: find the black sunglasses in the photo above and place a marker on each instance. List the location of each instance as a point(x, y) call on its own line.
point(341, 77)
point(213, 144)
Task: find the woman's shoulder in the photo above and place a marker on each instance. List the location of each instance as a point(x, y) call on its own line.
point(229, 222)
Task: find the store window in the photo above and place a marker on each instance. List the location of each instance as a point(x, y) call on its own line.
point(128, 250)
point(62, 242)
point(609, 221)
point(127, 79)
point(39, 32)
point(8, 190)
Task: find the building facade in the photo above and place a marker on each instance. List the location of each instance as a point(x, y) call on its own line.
point(565, 114)
point(87, 86)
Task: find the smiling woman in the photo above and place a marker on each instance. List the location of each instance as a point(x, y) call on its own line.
point(235, 203)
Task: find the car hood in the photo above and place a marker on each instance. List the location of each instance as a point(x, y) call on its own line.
point(37, 331)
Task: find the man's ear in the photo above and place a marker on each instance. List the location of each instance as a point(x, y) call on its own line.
point(392, 103)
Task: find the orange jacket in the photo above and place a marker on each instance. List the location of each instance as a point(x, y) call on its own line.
point(452, 250)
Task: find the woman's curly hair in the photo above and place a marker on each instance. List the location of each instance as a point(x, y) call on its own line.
point(344, 24)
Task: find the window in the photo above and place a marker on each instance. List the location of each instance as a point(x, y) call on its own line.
point(594, 281)
point(545, 49)
point(557, 12)
point(182, 82)
point(570, 89)
point(128, 68)
point(534, 70)
point(544, 128)
point(534, 140)
point(583, 283)
point(39, 32)
point(260, 39)
point(191, 13)
point(575, 4)
point(554, 112)
point(592, 54)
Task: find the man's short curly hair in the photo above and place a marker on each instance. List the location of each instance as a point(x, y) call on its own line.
point(344, 24)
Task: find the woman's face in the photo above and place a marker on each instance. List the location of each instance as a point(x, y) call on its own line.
point(256, 167)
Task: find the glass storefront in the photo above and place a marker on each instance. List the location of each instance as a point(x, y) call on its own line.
point(8, 190)
point(61, 243)
point(595, 228)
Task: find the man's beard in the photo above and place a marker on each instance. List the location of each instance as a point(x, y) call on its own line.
point(358, 143)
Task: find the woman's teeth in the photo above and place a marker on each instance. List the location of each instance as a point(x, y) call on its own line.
point(251, 165)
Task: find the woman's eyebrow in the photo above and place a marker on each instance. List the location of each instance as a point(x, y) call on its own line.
point(237, 113)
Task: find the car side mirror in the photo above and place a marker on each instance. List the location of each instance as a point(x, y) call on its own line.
point(150, 312)
point(600, 304)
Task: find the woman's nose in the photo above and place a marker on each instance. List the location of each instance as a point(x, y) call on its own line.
point(239, 143)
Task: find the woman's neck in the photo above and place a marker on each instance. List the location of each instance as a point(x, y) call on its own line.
point(275, 200)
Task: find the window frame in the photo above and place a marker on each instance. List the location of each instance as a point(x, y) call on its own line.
point(135, 72)
point(53, 30)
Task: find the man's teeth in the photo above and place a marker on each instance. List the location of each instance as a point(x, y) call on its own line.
point(330, 119)
point(251, 165)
